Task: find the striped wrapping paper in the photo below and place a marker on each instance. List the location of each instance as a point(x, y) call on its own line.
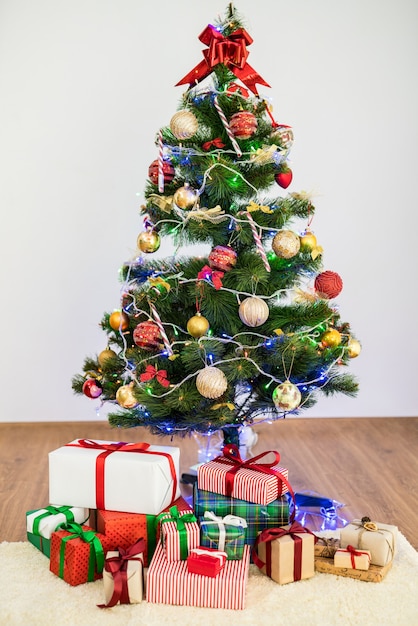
point(249, 484)
point(170, 537)
point(258, 516)
point(171, 583)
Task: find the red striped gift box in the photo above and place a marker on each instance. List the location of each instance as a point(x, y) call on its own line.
point(171, 583)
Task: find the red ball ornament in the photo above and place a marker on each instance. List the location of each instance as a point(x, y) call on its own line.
point(168, 172)
point(147, 336)
point(328, 284)
point(243, 124)
point(284, 178)
point(222, 258)
point(92, 388)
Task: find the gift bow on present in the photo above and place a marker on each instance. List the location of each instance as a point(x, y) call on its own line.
point(270, 534)
point(174, 515)
point(216, 554)
point(53, 510)
point(96, 559)
point(353, 553)
point(222, 522)
point(231, 456)
point(152, 372)
point(118, 567)
point(120, 446)
point(230, 51)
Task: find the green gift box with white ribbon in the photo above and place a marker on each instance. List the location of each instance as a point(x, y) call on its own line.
point(227, 534)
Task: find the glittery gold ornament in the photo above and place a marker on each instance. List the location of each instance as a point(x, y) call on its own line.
point(253, 311)
point(125, 397)
point(105, 355)
point(119, 320)
point(286, 244)
point(148, 241)
point(197, 326)
point(353, 348)
point(308, 239)
point(183, 124)
point(185, 197)
point(211, 382)
point(286, 396)
point(331, 338)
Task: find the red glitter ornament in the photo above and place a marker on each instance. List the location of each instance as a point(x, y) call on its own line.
point(243, 124)
point(147, 336)
point(328, 284)
point(284, 178)
point(168, 172)
point(222, 258)
point(92, 388)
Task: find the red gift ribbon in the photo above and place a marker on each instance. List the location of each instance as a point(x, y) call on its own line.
point(120, 446)
point(231, 51)
point(152, 372)
point(207, 273)
point(118, 567)
point(214, 143)
point(270, 534)
point(353, 553)
point(232, 456)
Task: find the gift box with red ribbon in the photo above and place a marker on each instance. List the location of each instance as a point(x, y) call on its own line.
point(352, 558)
point(172, 583)
point(180, 532)
point(260, 479)
point(285, 554)
point(77, 554)
point(206, 561)
point(41, 523)
point(123, 576)
point(115, 476)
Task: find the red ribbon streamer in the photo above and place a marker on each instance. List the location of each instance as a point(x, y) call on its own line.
point(152, 372)
point(353, 553)
point(214, 143)
point(233, 87)
point(118, 567)
point(207, 273)
point(231, 51)
point(120, 446)
point(270, 534)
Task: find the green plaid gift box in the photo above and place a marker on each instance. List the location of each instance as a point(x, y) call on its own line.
point(258, 516)
point(227, 534)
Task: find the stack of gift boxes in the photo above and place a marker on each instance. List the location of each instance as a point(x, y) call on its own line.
point(117, 509)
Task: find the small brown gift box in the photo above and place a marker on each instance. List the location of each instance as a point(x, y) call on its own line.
point(285, 554)
point(352, 558)
point(123, 576)
point(379, 539)
point(375, 573)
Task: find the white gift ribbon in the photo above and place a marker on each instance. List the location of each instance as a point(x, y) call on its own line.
point(228, 520)
point(222, 556)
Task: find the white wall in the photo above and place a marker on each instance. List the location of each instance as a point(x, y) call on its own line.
point(84, 86)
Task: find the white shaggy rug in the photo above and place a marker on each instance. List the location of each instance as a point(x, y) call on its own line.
point(30, 595)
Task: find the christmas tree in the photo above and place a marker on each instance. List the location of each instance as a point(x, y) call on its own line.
point(251, 332)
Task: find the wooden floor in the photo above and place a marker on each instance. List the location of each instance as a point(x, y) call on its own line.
point(371, 465)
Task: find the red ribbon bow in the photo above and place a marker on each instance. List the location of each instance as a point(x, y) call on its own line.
point(215, 143)
point(231, 51)
point(270, 534)
point(118, 567)
point(207, 273)
point(233, 87)
point(353, 553)
point(152, 372)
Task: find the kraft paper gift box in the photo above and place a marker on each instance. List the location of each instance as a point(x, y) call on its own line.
point(77, 554)
point(285, 554)
point(180, 532)
point(123, 576)
point(254, 480)
point(172, 583)
point(326, 546)
point(131, 477)
point(124, 529)
point(41, 523)
point(375, 573)
point(352, 558)
point(379, 539)
point(227, 534)
point(206, 561)
point(257, 516)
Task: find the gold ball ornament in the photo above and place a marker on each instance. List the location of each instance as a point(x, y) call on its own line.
point(308, 239)
point(148, 241)
point(286, 396)
point(105, 355)
point(286, 244)
point(183, 124)
point(185, 197)
point(253, 311)
point(331, 338)
point(197, 326)
point(119, 320)
point(125, 397)
point(211, 382)
point(353, 348)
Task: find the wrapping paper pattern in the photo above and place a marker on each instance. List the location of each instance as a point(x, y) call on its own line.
point(43, 545)
point(223, 536)
point(171, 583)
point(381, 542)
point(171, 541)
point(375, 573)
